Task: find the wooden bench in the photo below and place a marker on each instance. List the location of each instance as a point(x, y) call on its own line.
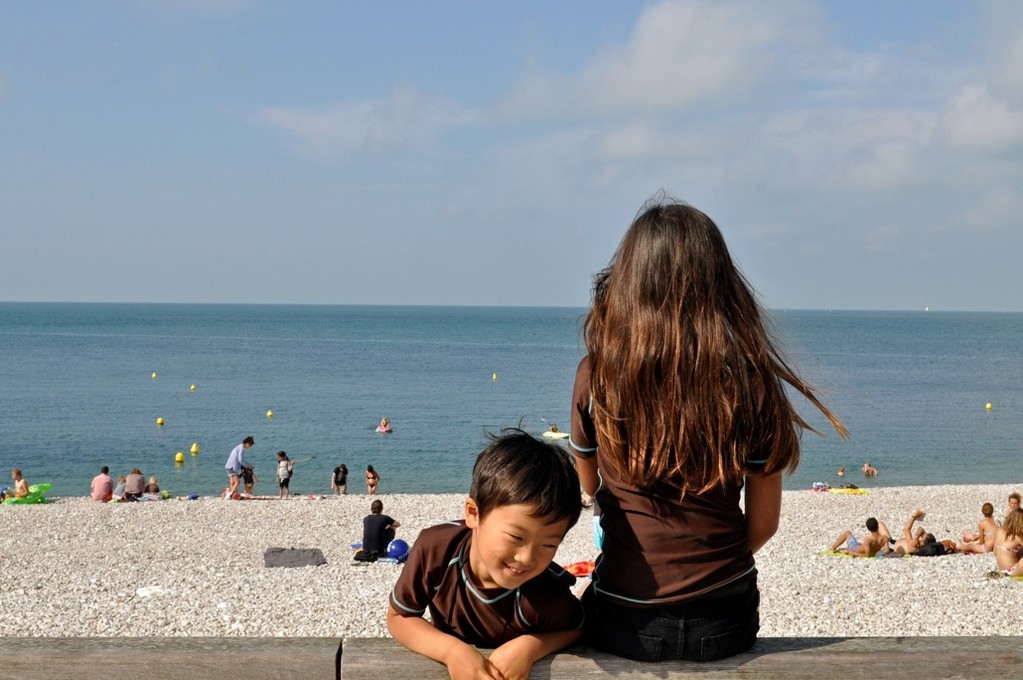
point(207, 658)
point(899, 657)
point(383, 658)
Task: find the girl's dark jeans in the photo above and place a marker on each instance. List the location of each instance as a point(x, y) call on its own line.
point(715, 626)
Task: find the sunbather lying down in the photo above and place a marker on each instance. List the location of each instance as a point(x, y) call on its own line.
point(879, 539)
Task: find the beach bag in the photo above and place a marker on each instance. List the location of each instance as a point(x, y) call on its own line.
point(930, 550)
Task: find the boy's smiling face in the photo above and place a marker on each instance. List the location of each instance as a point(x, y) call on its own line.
point(510, 546)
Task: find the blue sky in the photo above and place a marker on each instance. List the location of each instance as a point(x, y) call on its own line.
point(857, 155)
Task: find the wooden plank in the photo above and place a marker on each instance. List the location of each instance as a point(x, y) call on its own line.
point(177, 658)
point(369, 658)
point(913, 657)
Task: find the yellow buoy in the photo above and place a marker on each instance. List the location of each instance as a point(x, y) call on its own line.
point(192, 387)
point(269, 414)
point(494, 377)
point(154, 375)
point(988, 406)
point(179, 457)
point(195, 448)
point(159, 422)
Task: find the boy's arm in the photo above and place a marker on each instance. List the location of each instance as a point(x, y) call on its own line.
point(462, 660)
point(516, 657)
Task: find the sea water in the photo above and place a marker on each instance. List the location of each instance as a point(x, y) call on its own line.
point(77, 392)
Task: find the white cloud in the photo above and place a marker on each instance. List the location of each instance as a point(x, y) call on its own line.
point(679, 54)
point(407, 117)
point(998, 208)
point(975, 120)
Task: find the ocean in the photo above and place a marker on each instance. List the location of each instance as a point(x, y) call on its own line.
point(77, 392)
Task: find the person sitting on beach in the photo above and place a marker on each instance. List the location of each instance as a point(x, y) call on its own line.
point(869, 547)
point(134, 484)
point(153, 486)
point(102, 486)
point(984, 540)
point(249, 479)
point(372, 479)
point(285, 468)
point(1008, 541)
point(490, 580)
point(339, 480)
point(1014, 499)
point(20, 485)
point(377, 529)
point(119, 489)
point(869, 470)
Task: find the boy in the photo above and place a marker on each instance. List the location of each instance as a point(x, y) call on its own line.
point(377, 529)
point(870, 546)
point(489, 580)
point(20, 485)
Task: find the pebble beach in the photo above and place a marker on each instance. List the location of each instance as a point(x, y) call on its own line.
point(76, 568)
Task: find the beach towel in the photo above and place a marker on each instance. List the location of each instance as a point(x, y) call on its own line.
point(853, 492)
point(293, 557)
point(835, 553)
point(580, 569)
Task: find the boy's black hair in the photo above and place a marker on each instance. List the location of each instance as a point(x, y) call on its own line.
point(249, 440)
point(517, 468)
point(871, 524)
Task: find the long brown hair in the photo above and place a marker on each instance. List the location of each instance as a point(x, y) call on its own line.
point(1013, 526)
point(686, 382)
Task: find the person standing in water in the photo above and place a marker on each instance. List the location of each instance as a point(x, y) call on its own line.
point(372, 479)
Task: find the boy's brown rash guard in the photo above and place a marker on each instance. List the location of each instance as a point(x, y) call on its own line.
point(658, 549)
point(437, 577)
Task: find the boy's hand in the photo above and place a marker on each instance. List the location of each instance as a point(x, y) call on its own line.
point(514, 658)
point(464, 662)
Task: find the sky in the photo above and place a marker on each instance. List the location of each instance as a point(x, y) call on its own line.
point(856, 155)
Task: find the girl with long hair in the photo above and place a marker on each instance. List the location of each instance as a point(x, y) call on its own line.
point(679, 411)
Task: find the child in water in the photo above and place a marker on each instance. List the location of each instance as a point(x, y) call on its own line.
point(682, 405)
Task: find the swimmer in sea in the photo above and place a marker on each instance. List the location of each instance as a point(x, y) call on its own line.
point(869, 470)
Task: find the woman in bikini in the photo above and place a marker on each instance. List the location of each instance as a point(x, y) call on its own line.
point(984, 540)
point(1008, 541)
point(372, 479)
